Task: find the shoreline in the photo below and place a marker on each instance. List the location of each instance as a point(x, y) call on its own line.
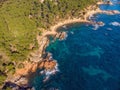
point(37, 58)
point(90, 12)
point(53, 29)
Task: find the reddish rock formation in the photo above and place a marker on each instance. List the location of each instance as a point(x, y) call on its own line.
point(32, 67)
point(21, 76)
point(49, 65)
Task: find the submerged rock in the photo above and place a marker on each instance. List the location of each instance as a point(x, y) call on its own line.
point(100, 23)
point(92, 71)
point(94, 52)
point(109, 2)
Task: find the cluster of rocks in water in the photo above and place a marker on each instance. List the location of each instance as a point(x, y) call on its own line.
point(108, 2)
point(105, 2)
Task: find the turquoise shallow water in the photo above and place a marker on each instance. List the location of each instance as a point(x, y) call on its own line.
point(89, 57)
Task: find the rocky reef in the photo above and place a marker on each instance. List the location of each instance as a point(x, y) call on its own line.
point(20, 80)
point(38, 60)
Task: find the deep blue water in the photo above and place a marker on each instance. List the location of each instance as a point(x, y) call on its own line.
point(89, 58)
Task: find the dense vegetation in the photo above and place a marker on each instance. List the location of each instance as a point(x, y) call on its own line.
point(19, 23)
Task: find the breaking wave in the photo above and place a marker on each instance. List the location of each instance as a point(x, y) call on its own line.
point(96, 26)
point(115, 23)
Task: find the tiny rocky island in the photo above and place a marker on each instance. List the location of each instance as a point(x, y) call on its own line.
point(22, 61)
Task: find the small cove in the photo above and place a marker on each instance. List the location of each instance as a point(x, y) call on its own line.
point(89, 57)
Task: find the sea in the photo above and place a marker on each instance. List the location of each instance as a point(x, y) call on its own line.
point(89, 56)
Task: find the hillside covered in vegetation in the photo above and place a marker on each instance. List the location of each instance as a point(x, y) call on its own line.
point(22, 20)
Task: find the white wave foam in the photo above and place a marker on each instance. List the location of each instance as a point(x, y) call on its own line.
point(66, 35)
point(48, 73)
point(90, 17)
point(51, 72)
point(96, 26)
point(42, 72)
point(115, 23)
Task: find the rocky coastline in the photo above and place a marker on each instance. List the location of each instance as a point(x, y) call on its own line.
point(42, 60)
